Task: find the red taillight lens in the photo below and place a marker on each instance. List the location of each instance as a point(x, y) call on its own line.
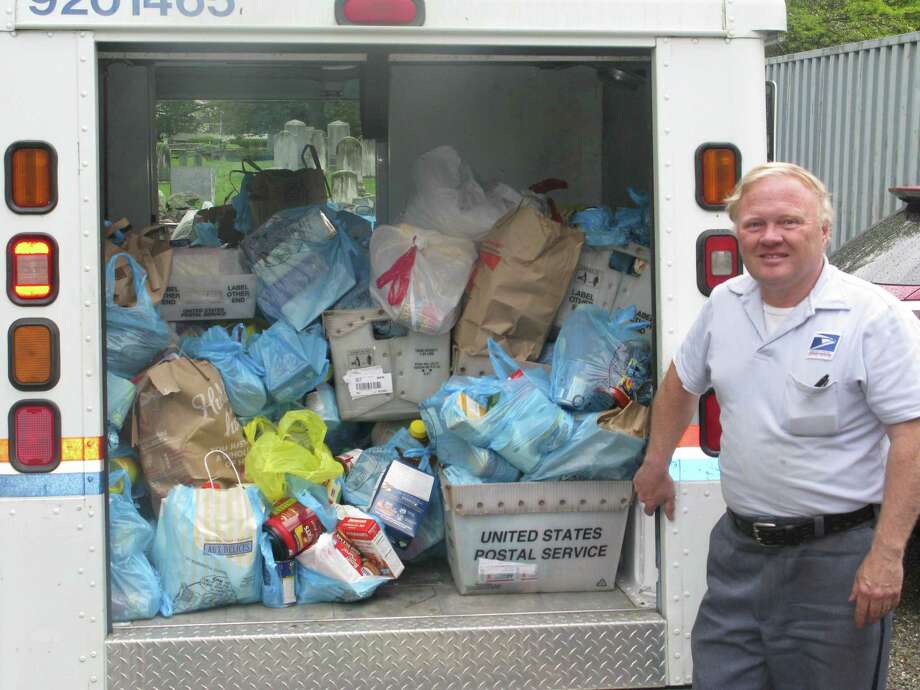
point(31, 177)
point(717, 259)
point(31, 269)
point(718, 169)
point(35, 436)
point(380, 12)
point(710, 425)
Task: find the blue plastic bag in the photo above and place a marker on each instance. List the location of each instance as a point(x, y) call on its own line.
point(592, 453)
point(513, 417)
point(134, 335)
point(273, 585)
point(206, 548)
point(243, 222)
point(315, 588)
point(241, 374)
point(451, 449)
point(370, 466)
point(294, 363)
point(205, 235)
point(340, 436)
point(596, 352)
point(604, 227)
point(302, 262)
point(358, 231)
point(134, 583)
point(314, 497)
point(430, 533)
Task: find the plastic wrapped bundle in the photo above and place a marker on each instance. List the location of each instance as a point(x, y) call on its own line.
point(605, 446)
point(302, 262)
point(595, 354)
point(294, 362)
point(241, 374)
point(450, 200)
point(418, 276)
point(604, 227)
point(134, 335)
point(206, 548)
point(514, 418)
point(135, 586)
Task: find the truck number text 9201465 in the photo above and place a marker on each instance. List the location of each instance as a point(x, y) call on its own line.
point(107, 8)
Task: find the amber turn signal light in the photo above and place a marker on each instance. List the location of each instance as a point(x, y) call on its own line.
point(31, 177)
point(33, 354)
point(718, 169)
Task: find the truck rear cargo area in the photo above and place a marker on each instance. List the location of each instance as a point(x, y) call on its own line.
point(517, 118)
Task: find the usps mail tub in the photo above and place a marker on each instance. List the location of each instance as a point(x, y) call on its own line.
point(377, 377)
point(535, 536)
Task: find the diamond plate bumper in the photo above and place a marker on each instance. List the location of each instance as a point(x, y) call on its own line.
point(565, 649)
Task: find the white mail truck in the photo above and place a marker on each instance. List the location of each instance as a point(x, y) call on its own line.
point(666, 96)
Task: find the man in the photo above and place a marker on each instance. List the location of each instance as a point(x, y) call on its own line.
point(816, 372)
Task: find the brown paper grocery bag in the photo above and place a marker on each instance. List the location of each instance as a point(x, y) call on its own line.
point(632, 420)
point(181, 412)
point(525, 265)
point(150, 248)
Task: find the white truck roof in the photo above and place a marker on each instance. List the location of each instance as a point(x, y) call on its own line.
point(492, 22)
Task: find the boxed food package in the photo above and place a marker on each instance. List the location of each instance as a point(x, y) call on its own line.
point(402, 500)
point(373, 545)
point(208, 284)
point(535, 536)
point(382, 378)
point(333, 555)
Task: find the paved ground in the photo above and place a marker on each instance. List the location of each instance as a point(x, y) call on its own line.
point(904, 671)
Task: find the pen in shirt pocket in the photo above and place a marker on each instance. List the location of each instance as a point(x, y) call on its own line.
point(822, 382)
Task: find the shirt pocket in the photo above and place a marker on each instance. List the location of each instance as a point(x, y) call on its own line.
point(808, 410)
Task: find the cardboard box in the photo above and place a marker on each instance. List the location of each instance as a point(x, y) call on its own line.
point(366, 536)
point(402, 500)
point(611, 278)
point(379, 379)
point(594, 283)
point(462, 364)
point(535, 536)
point(208, 284)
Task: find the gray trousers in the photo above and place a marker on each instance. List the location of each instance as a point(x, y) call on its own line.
point(777, 618)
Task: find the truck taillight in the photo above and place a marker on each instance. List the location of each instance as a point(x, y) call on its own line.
point(710, 425)
point(35, 436)
point(31, 177)
point(380, 12)
point(31, 267)
point(718, 169)
point(717, 259)
point(33, 354)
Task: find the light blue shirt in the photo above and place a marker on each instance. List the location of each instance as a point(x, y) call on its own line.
point(790, 447)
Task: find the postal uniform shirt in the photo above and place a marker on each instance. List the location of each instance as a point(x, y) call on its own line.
point(790, 447)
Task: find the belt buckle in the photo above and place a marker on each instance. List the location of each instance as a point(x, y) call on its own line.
point(757, 526)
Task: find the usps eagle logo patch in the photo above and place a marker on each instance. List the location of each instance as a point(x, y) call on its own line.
point(823, 345)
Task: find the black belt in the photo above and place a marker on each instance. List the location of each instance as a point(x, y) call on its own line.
point(776, 531)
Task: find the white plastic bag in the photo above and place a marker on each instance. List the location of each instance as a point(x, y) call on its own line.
point(418, 276)
point(449, 199)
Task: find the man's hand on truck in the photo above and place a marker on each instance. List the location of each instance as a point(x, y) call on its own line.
point(671, 413)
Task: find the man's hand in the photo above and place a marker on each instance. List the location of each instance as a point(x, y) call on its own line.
point(877, 587)
point(654, 488)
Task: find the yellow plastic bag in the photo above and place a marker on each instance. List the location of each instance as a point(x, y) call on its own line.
point(295, 447)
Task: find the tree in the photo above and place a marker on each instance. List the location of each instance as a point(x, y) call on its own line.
point(816, 24)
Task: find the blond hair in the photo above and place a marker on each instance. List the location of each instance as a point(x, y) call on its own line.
point(761, 172)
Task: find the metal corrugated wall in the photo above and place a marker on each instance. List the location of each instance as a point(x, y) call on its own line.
point(851, 115)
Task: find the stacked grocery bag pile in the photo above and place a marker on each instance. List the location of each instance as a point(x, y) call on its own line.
point(282, 422)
